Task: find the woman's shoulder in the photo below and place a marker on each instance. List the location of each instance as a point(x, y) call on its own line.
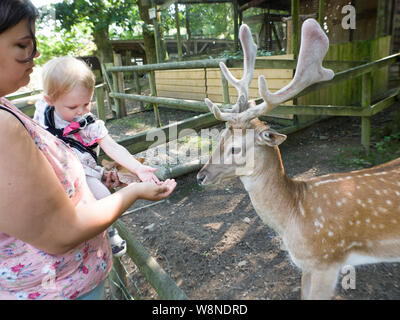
point(9, 117)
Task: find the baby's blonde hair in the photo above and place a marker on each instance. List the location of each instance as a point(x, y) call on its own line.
point(61, 75)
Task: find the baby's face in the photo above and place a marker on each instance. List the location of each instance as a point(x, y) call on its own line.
point(74, 103)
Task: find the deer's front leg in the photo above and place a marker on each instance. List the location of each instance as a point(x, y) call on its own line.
point(322, 283)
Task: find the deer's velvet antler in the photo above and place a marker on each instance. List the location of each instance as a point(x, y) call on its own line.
point(314, 45)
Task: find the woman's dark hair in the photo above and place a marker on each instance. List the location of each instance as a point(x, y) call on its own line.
point(12, 12)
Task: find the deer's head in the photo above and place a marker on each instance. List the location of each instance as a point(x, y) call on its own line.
point(245, 136)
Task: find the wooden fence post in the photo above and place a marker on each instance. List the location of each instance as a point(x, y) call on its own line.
point(296, 28)
point(101, 111)
point(138, 88)
point(118, 83)
point(178, 32)
point(366, 102)
point(321, 13)
point(153, 89)
point(109, 85)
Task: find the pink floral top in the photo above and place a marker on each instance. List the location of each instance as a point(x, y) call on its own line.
point(29, 273)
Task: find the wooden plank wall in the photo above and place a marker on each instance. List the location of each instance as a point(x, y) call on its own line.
point(349, 92)
point(197, 84)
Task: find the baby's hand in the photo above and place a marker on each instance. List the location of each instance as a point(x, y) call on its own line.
point(145, 173)
point(155, 192)
point(111, 180)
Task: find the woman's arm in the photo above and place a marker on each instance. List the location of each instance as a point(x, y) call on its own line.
point(34, 206)
point(122, 156)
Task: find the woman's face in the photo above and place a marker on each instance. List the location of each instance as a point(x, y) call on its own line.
point(16, 45)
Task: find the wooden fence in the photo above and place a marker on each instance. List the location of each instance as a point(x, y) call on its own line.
point(362, 75)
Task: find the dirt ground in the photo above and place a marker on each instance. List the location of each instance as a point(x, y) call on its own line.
point(214, 246)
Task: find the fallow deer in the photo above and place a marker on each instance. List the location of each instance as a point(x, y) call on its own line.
point(325, 222)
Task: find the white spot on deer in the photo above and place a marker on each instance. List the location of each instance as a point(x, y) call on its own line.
point(330, 233)
point(338, 203)
point(393, 221)
point(389, 202)
point(358, 222)
point(356, 213)
point(318, 224)
point(368, 220)
point(351, 223)
point(378, 192)
point(397, 193)
point(326, 256)
point(327, 181)
point(316, 195)
point(369, 200)
point(383, 210)
point(319, 210)
point(354, 244)
point(341, 243)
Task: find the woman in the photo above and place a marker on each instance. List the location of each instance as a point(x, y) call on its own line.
point(53, 242)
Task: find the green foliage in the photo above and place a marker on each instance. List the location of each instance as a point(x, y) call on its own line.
point(76, 42)
point(205, 20)
point(98, 14)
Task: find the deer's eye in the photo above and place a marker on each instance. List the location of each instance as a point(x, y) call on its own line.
point(235, 150)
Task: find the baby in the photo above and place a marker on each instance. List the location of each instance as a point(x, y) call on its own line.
point(68, 86)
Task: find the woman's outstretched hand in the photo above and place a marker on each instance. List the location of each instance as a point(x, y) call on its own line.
point(154, 192)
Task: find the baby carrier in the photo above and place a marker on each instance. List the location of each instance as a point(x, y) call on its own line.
point(60, 133)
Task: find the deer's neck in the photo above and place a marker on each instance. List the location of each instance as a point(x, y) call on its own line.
point(272, 193)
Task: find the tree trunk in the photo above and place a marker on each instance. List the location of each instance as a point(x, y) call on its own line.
point(148, 34)
point(104, 47)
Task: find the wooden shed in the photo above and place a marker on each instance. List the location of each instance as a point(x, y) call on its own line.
point(370, 40)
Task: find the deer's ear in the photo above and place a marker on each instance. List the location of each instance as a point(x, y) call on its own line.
point(271, 138)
